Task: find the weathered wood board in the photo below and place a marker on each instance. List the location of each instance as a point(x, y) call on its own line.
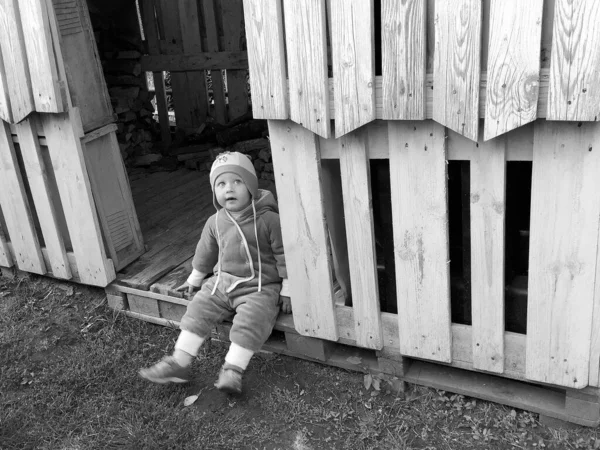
point(308, 260)
point(565, 212)
point(574, 76)
point(488, 186)
point(353, 60)
point(306, 46)
point(360, 235)
point(266, 58)
point(16, 209)
point(418, 177)
point(404, 35)
point(513, 67)
point(456, 65)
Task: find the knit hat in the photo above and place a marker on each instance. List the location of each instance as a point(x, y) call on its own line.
point(239, 164)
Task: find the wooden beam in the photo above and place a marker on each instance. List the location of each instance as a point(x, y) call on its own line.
point(212, 44)
point(353, 60)
point(574, 75)
point(456, 66)
point(195, 61)
point(418, 176)
point(40, 192)
point(488, 183)
point(404, 34)
point(565, 215)
point(306, 45)
point(16, 209)
point(5, 109)
point(513, 65)
point(266, 58)
point(308, 259)
point(360, 235)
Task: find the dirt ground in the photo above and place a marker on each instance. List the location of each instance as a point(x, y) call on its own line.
point(68, 380)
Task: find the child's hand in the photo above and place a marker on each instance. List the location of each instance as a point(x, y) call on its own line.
point(188, 288)
point(286, 304)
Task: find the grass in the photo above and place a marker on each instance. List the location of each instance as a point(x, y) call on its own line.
point(68, 380)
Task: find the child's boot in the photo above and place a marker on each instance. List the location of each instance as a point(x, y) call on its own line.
point(230, 379)
point(167, 370)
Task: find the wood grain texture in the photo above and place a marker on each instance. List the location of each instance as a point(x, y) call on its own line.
point(562, 252)
point(63, 137)
point(14, 57)
point(307, 254)
point(353, 60)
point(404, 36)
point(418, 178)
point(456, 66)
point(488, 183)
point(40, 192)
point(212, 45)
point(574, 76)
point(513, 65)
point(594, 377)
point(16, 209)
point(360, 235)
point(306, 45)
point(233, 40)
point(45, 83)
point(192, 44)
point(5, 109)
point(266, 58)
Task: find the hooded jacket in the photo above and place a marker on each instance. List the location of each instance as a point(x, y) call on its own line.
point(244, 247)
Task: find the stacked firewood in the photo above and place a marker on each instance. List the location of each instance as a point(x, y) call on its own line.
point(132, 102)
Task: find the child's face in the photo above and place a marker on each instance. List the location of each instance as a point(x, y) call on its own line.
point(231, 192)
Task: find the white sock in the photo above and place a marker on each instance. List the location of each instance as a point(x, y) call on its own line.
point(238, 356)
point(186, 348)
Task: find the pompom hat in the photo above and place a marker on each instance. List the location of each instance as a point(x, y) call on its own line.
point(239, 164)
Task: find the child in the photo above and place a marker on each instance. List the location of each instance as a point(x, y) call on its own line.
point(241, 244)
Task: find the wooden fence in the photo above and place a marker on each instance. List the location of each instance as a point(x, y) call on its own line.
point(456, 62)
point(187, 38)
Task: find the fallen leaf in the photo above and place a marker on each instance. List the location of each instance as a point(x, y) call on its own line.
point(354, 360)
point(376, 384)
point(190, 400)
point(368, 379)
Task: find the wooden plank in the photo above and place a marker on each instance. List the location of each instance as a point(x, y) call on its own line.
point(14, 56)
point(513, 65)
point(306, 45)
point(488, 183)
point(358, 212)
point(232, 18)
point(192, 43)
point(199, 61)
point(16, 209)
point(296, 156)
point(594, 378)
point(5, 109)
point(212, 45)
point(418, 177)
point(168, 284)
point(45, 83)
point(404, 35)
point(562, 252)
point(353, 60)
point(456, 66)
point(266, 58)
point(40, 192)
point(5, 258)
point(574, 77)
point(73, 183)
point(147, 9)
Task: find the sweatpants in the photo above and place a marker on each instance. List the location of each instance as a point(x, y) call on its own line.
point(254, 313)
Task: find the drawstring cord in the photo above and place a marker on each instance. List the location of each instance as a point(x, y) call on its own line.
point(257, 249)
point(219, 255)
